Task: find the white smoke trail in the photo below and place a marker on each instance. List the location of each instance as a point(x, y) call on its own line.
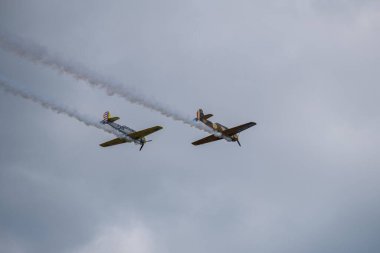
point(4, 85)
point(38, 54)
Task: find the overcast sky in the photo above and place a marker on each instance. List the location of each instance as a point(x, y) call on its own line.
point(306, 178)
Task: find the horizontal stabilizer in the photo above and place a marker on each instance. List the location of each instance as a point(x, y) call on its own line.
point(207, 116)
point(113, 142)
point(238, 129)
point(113, 119)
point(207, 139)
point(145, 132)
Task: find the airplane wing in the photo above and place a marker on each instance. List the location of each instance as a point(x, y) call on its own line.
point(206, 140)
point(113, 142)
point(145, 132)
point(238, 129)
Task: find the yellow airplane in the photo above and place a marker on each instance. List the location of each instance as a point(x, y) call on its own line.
point(127, 134)
point(221, 132)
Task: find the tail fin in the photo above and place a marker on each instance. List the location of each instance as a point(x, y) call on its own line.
point(201, 116)
point(107, 118)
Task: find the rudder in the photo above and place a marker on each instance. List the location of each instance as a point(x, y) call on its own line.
point(199, 115)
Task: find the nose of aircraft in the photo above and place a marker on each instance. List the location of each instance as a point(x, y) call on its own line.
point(143, 141)
point(236, 138)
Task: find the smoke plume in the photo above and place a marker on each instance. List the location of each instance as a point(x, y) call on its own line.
point(53, 106)
point(40, 55)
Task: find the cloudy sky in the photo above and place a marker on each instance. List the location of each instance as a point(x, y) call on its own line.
point(306, 178)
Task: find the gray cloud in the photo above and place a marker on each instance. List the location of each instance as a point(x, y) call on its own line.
point(305, 180)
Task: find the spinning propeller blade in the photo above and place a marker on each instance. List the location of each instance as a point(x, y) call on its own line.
point(143, 143)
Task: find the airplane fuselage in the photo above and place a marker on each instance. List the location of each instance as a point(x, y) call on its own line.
point(219, 128)
point(124, 130)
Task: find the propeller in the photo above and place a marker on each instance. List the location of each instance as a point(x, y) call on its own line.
point(239, 143)
point(143, 143)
